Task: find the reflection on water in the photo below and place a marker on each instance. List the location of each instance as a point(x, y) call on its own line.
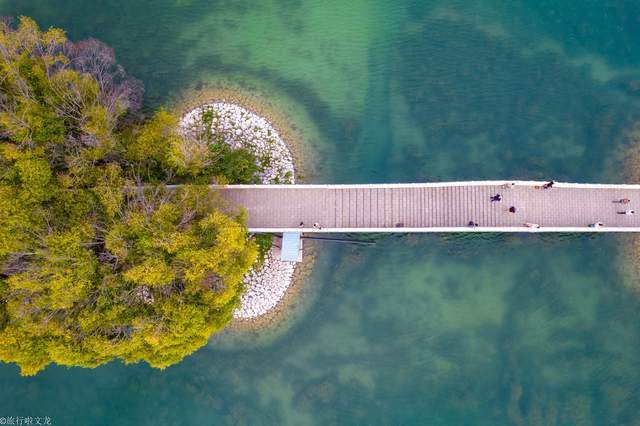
point(442, 329)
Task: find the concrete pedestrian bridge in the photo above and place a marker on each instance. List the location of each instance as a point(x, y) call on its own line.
point(438, 207)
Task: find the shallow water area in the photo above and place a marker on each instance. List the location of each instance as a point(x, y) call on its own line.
point(441, 329)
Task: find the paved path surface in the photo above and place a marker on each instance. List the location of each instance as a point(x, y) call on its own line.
point(441, 207)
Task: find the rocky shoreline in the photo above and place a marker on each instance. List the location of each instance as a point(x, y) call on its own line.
point(266, 284)
point(265, 287)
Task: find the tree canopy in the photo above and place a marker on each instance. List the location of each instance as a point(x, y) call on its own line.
point(98, 259)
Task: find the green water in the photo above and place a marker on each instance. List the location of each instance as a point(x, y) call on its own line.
point(438, 330)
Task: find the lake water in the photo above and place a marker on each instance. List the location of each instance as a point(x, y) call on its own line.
point(439, 329)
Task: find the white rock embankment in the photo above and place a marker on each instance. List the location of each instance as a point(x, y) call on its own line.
point(267, 284)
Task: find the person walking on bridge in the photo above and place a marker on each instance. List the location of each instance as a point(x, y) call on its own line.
point(496, 198)
point(628, 212)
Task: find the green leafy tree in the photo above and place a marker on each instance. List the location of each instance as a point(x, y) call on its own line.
point(168, 275)
point(235, 165)
point(148, 146)
point(98, 259)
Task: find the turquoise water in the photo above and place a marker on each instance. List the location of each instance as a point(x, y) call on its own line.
point(441, 330)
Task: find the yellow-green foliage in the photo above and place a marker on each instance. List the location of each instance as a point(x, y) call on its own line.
point(26, 184)
point(153, 139)
point(29, 55)
point(58, 275)
point(173, 277)
point(151, 271)
point(188, 156)
point(109, 188)
point(96, 262)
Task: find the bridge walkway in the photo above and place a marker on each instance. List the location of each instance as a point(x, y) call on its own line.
point(437, 207)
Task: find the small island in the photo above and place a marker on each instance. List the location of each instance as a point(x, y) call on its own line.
point(113, 244)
